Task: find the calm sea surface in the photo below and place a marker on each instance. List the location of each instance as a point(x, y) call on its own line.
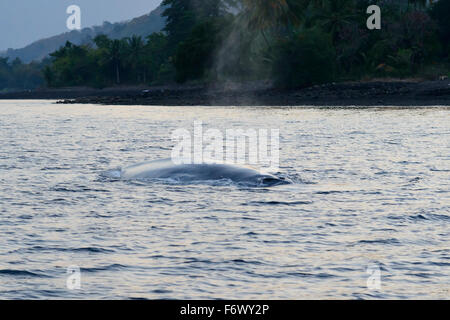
point(371, 196)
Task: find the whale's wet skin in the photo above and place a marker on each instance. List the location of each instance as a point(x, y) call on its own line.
point(371, 189)
point(207, 172)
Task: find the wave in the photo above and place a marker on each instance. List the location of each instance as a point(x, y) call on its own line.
point(21, 273)
point(276, 203)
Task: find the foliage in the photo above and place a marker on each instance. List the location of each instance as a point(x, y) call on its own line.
point(304, 59)
point(195, 56)
point(183, 15)
point(16, 75)
point(440, 12)
point(113, 61)
point(294, 42)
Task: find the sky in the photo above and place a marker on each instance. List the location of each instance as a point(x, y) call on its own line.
point(25, 21)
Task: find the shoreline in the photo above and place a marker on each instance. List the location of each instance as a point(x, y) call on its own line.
point(358, 94)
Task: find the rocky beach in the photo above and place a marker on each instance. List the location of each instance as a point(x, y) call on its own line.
point(371, 93)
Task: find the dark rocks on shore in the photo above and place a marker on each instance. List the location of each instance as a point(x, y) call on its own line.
point(394, 93)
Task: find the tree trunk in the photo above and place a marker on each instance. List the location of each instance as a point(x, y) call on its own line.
point(117, 74)
point(265, 38)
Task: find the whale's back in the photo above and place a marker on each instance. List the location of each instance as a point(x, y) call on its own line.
point(166, 169)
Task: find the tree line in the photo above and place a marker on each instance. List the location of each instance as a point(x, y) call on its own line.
point(20, 76)
point(132, 60)
point(292, 42)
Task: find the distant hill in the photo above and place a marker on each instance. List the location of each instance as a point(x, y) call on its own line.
point(141, 26)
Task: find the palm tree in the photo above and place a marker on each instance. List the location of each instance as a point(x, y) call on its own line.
point(136, 47)
point(115, 56)
point(336, 15)
point(112, 52)
point(262, 15)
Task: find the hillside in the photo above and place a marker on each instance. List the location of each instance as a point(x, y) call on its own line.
point(142, 26)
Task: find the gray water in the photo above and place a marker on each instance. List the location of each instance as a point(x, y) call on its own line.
point(371, 189)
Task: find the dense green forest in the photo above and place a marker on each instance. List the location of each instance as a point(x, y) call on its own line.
point(19, 76)
point(294, 42)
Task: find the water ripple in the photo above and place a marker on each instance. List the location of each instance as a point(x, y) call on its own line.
point(370, 190)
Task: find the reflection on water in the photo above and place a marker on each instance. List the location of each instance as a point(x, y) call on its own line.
point(371, 188)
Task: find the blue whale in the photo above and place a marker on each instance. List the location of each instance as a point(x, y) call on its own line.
point(166, 169)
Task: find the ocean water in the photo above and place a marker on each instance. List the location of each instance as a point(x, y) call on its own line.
point(367, 217)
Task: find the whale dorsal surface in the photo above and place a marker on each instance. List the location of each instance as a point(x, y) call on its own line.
point(167, 169)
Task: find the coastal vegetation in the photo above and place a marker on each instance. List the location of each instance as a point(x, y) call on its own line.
point(295, 43)
point(20, 76)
